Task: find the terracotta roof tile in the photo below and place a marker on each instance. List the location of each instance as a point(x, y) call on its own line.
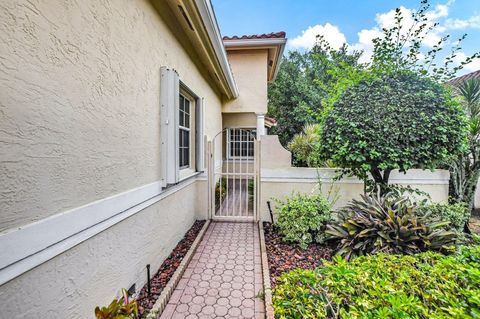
point(466, 77)
point(270, 121)
point(273, 35)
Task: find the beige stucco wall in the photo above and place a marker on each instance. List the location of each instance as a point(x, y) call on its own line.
point(79, 102)
point(477, 196)
point(239, 120)
point(250, 72)
point(279, 179)
point(79, 122)
point(90, 274)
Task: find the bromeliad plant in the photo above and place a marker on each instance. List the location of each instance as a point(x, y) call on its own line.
point(387, 224)
point(118, 309)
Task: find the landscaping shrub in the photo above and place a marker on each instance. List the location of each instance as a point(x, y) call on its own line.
point(457, 214)
point(427, 285)
point(386, 224)
point(118, 309)
point(302, 218)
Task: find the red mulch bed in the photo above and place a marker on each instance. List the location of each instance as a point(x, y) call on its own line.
point(283, 257)
point(161, 278)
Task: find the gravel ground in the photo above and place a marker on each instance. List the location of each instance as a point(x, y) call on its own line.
point(163, 275)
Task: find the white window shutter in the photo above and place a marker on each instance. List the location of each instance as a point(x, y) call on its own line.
point(200, 147)
point(169, 99)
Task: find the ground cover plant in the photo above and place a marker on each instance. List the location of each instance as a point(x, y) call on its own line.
point(427, 285)
point(122, 308)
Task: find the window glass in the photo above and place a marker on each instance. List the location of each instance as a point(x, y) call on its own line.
point(184, 132)
point(241, 142)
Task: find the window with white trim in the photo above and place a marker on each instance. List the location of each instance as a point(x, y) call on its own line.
point(186, 132)
point(181, 130)
point(240, 143)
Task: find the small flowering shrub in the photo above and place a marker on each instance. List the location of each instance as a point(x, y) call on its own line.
point(302, 218)
point(425, 286)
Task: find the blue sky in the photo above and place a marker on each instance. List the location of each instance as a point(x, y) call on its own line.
point(356, 22)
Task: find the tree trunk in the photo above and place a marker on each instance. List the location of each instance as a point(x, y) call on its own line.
point(381, 180)
point(464, 175)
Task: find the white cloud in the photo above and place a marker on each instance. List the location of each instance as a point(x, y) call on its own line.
point(472, 66)
point(457, 24)
point(438, 14)
point(387, 20)
point(365, 43)
point(307, 39)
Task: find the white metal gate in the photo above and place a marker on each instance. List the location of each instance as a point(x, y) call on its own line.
point(233, 170)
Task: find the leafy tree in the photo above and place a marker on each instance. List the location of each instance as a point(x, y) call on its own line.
point(392, 113)
point(401, 48)
point(303, 81)
point(465, 169)
point(396, 121)
point(289, 97)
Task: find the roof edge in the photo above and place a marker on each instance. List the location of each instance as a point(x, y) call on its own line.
point(211, 26)
point(469, 76)
point(254, 42)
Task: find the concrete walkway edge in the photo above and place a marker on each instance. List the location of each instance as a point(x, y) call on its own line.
point(162, 300)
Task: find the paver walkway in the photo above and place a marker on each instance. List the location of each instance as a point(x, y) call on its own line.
point(223, 277)
point(237, 200)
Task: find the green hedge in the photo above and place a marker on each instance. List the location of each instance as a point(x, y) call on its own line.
point(427, 285)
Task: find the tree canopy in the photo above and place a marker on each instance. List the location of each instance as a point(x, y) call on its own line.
point(303, 82)
point(397, 121)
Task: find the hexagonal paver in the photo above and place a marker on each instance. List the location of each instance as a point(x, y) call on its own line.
point(220, 280)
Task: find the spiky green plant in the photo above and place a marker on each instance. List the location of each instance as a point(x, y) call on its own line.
point(386, 224)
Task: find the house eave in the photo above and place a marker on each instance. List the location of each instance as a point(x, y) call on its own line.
point(211, 26)
point(275, 47)
point(194, 25)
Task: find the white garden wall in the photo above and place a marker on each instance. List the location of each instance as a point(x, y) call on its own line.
point(279, 179)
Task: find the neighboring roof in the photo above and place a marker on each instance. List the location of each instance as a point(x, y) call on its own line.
point(275, 35)
point(274, 42)
point(270, 121)
point(466, 77)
